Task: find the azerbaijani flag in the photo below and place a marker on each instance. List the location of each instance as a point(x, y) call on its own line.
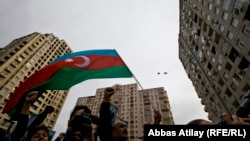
point(68, 70)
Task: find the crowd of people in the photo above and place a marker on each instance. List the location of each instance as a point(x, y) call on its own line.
point(229, 120)
point(79, 127)
point(24, 131)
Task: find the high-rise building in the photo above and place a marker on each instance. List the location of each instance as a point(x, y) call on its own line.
point(214, 48)
point(134, 105)
point(20, 59)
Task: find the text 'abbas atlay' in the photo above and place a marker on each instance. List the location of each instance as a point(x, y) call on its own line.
point(182, 132)
point(200, 134)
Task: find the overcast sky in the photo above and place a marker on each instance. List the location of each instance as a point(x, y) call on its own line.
point(144, 32)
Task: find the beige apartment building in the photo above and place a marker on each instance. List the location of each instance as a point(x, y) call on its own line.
point(214, 48)
point(20, 59)
point(135, 106)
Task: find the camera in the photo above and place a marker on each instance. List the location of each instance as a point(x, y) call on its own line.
point(243, 110)
point(80, 123)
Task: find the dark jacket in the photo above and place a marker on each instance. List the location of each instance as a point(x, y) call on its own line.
point(21, 127)
point(104, 129)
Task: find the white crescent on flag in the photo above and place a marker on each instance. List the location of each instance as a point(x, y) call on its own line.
point(85, 63)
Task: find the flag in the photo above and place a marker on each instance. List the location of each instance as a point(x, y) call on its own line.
point(113, 112)
point(68, 70)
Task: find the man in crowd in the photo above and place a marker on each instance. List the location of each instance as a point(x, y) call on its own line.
point(79, 125)
point(107, 131)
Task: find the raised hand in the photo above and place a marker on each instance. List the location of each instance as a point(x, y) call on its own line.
point(29, 99)
point(108, 92)
point(31, 96)
point(235, 120)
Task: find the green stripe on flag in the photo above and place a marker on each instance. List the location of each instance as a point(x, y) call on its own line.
point(65, 78)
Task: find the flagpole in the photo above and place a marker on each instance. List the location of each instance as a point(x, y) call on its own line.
point(136, 81)
point(130, 71)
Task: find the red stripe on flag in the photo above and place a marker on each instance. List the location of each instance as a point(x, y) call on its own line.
point(100, 62)
point(96, 62)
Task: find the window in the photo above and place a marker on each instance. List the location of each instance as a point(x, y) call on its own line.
point(226, 4)
point(230, 35)
point(217, 2)
point(221, 28)
point(235, 22)
point(208, 17)
point(204, 2)
point(219, 67)
point(217, 11)
point(238, 4)
point(20, 59)
point(224, 48)
point(226, 76)
point(225, 16)
point(202, 13)
point(213, 59)
point(246, 29)
point(208, 53)
point(215, 23)
point(240, 43)
point(210, 6)
point(220, 59)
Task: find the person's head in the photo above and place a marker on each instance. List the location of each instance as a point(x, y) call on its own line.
point(79, 123)
point(38, 133)
point(79, 110)
point(120, 131)
point(199, 122)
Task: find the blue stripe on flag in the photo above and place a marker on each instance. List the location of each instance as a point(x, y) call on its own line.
point(101, 52)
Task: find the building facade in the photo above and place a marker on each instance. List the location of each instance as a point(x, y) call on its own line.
point(134, 106)
point(20, 59)
point(214, 48)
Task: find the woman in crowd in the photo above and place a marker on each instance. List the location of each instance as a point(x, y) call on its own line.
point(34, 132)
point(38, 133)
